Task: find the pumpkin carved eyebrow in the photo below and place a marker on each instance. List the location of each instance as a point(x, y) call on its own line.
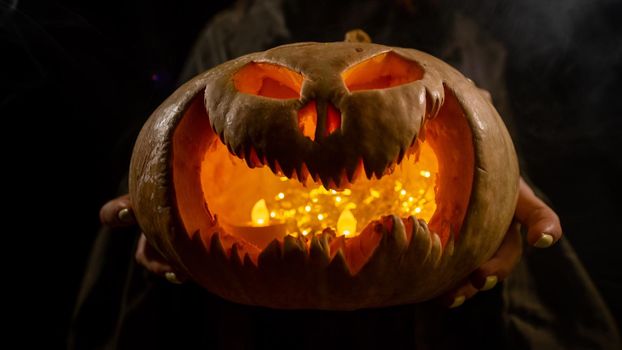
point(380, 72)
point(268, 80)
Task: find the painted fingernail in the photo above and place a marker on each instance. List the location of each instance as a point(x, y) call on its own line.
point(172, 277)
point(459, 300)
point(544, 241)
point(491, 282)
point(125, 215)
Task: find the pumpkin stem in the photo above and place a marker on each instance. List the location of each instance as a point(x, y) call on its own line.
point(357, 36)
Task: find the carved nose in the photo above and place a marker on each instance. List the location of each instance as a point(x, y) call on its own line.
point(318, 120)
point(333, 119)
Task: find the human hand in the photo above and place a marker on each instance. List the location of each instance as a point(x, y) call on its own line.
point(543, 229)
point(118, 213)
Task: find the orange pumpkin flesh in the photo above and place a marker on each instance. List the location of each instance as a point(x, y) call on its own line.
point(284, 232)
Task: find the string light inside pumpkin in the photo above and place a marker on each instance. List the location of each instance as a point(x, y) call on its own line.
point(311, 208)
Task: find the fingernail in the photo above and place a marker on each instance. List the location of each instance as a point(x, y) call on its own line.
point(491, 282)
point(125, 215)
point(545, 241)
point(172, 277)
point(459, 300)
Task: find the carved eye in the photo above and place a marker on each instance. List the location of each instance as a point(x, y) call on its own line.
point(268, 80)
point(380, 72)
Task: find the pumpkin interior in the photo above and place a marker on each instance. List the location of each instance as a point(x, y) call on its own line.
point(217, 192)
point(380, 72)
point(268, 80)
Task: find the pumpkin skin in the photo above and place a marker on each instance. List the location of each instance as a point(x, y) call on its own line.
point(402, 260)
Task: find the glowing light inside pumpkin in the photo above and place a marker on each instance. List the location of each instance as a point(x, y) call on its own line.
point(313, 208)
point(256, 197)
point(346, 225)
point(439, 170)
point(259, 214)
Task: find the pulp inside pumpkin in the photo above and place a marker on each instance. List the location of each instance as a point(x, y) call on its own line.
point(216, 192)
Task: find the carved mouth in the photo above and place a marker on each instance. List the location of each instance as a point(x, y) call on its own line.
point(250, 206)
point(260, 204)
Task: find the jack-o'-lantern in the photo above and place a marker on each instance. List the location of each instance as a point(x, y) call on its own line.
point(326, 175)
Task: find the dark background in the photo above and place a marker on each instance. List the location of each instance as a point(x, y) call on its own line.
point(78, 79)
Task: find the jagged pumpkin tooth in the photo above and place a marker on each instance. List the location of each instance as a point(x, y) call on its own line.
point(398, 234)
point(293, 249)
point(336, 182)
point(270, 256)
point(277, 169)
point(249, 264)
point(388, 222)
point(319, 252)
point(234, 256)
point(327, 182)
point(421, 244)
point(410, 225)
point(355, 171)
point(339, 265)
point(287, 169)
point(303, 173)
point(294, 175)
point(327, 235)
point(437, 249)
point(216, 249)
point(273, 165)
point(343, 182)
point(435, 97)
point(450, 245)
point(337, 244)
point(247, 158)
point(254, 157)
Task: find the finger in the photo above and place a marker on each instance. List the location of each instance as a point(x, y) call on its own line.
point(154, 262)
point(502, 263)
point(149, 258)
point(117, 212)
point(543, 226)
point(486, 94)
point(458, 295)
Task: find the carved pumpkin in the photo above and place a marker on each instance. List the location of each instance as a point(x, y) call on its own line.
point(326, 175)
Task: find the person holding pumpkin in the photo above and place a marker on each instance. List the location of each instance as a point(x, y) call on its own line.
point(542, 226)
point(186, 315)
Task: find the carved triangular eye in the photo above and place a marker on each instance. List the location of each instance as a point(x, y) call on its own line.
point(380, 72)
point(268, 80)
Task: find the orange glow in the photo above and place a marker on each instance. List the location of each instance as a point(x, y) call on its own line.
point(268, 80)
point(216, 192)
point(259, 214)
point(450, 136)
point(333, 120)
point(346, 224)
point(307, 120)
point(309, 207)
point(381, 72)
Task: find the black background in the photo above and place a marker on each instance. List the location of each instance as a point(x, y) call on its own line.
point(78, 79)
